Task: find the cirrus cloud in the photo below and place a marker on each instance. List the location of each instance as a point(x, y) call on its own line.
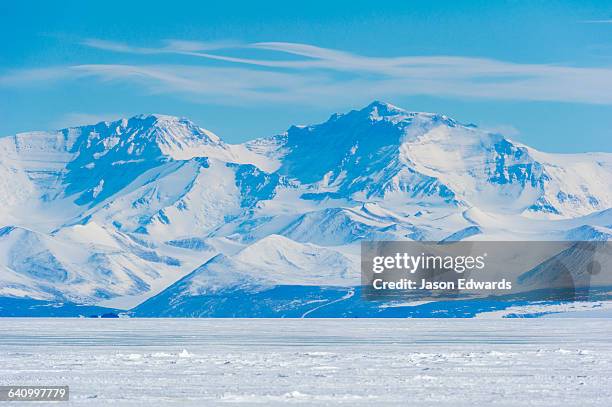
point(308, 74)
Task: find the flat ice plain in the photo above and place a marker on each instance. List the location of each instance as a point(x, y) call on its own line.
point(191, 362)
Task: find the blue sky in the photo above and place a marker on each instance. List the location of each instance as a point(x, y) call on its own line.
point(540, 72)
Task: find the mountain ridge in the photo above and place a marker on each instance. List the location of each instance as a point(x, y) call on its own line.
point(125, 209)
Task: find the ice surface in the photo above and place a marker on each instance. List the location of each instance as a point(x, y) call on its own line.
point(555, 362)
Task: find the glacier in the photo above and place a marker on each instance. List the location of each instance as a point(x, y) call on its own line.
point(157, 215)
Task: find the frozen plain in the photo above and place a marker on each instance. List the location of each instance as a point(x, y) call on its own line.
point(191, 362)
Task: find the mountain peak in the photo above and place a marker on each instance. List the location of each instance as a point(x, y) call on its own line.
point(145, 128)
point(378, 110)
point(383, 108)
point(109, 155)
point(159, 119)
point(145, 121)
point(158, 116)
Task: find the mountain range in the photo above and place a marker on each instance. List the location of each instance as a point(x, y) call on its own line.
point(158, 215)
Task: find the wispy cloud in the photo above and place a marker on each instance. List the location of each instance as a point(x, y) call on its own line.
point(302, 73)
point(35, 76)
point(170, 46)
point(605, 21)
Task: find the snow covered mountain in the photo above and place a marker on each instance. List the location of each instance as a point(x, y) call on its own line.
point(116, 213)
